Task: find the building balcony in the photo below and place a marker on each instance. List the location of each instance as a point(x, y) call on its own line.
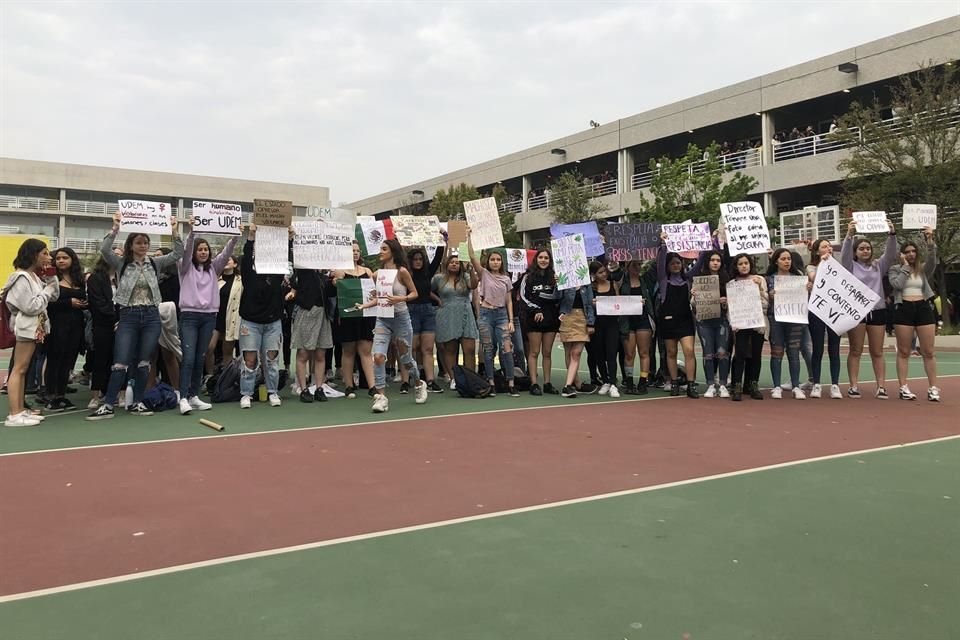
point(31, 204)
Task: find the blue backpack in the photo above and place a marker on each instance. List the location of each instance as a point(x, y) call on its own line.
point(160, 398)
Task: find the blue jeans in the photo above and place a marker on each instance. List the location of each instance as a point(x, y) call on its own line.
point(138, 334)
point(260, 339)
point(493, 336)
point(715, 340)
point(398, 327)
point(817, 331)
point(195, 332)
point(785, 335)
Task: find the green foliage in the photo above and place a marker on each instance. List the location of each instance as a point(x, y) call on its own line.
point(508, 221)
point(679, 193)
point(571, 199)
point(447, 204)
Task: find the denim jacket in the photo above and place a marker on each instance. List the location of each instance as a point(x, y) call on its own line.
point(586, 293)
point(133, 270)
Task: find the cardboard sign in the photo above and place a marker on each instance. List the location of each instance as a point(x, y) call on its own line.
point(484, 221)
point(871, 221)
point(322, 245)
point(570, 262)
point(619, 305)
point(456, 232)
point(918, 216)
point(270, 251)
point(688, 236)
point(632, 241)
point(746, 227)
point(417, 231)
point(790, 299)
point(591, 235)
point(143, 216)
point(385, 278)
point(706, 297)
point(217, 218)
point(839, 298)
point(272, 213)
point(744, 307)
point(516, 260)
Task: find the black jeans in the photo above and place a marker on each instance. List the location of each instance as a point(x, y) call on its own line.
point(63, 346)
point(747, 356)
point(603, 350)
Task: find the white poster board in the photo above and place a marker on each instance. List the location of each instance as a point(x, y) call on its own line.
point(746, 227)
point(385, 278)
point(619, 305)
point(218, 218)
point(838, 298)
point(744, 307)
point(322, 245)
point(270, 250)
point(484, 221)
point(143, 216)
point(570, 262)
point(871, 221)
point(417, 231)
point(790, 299)
point(918, 216)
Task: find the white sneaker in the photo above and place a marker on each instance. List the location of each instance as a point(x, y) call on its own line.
point(798, 394)
point(35, 416)
point(933, 394)
point(421, 393)
point(776, 393)
point(604, 389)
point(244, 402)
point(453, 384)
point(397, 378)
point(185, 407)
point(835, 392)
point(274, 400)
point(93, 404)
point(723, 392)
point(296, 389)
point(815, 392)
point(380, 403)
point(614, 392)
point(711, 392)
point(330, 392)
point(21, 420)
point(198, 404)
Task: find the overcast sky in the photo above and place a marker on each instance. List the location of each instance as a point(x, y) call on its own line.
point(364, 98)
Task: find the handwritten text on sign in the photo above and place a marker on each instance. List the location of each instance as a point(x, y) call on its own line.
point(689, 236)
point(746, 227)
point(322, 245)
point(706, 297)
point(918, 216)
point(142, 216)
point(270, 251)
point(570, 262)
point(272, 213)
point(744, 307)
point(632, 241)
point(417, 231)
point(871, 221)
point(619, 305)
point(790, 299)
point(840, 299)
point(484, 221)
point(217, 217)
point(385, 278)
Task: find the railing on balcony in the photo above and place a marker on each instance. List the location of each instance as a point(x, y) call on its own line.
point(92, 245)
point(514, 206)
point(36, 204)
point(594, 190)
point(86, 206)
point(728, 162)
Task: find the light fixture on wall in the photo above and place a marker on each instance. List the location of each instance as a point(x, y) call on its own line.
point(417, 192)
point(557, 151)
point(594, 124)
point(848, 67)
point(846, 90)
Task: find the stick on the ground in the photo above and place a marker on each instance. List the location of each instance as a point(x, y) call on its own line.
point(210, 423)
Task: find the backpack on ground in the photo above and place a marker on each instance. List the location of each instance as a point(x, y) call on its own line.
point(469, 384)
point(226, 387)
point(521, 381)
point(160, 398)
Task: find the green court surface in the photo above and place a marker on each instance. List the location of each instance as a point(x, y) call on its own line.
point(856, 547)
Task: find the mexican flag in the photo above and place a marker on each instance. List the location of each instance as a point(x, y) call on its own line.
point(372, 233)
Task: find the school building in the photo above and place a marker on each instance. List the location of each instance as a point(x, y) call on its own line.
point(796, 175)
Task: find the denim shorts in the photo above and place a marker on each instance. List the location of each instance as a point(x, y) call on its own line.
point(423, 318)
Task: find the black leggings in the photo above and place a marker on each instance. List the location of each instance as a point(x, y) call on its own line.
point(63, 346)
point(747, 356)
point(603, 351)
point(102, 356)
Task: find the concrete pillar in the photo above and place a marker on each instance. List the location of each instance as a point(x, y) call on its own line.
point(62, 230)
point(626, 170)
point(770, 211)
point(524, 192)
point(767, 129)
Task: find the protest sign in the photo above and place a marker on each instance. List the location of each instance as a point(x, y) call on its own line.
point(329, 214)
point(270, 251)
point(385, 278)
point(688, 236)
point(871, 221)
point(619, 305)
point(143, 216)
point(746, 227)
point(744, 308)
point(790, 299)
point(272, 213)
point(839, 298)
point(589, 231)
point(456, 232)
point(354, 291)
point(217, 218)
point(373, 233)
point(570, 262)
point(463, 252)
point(918, 216)
point(322, 245)
point(431, 253)
point(416, 231)
point(632, 241)
point(484, 221)
point(706, 297)
point(516, 260)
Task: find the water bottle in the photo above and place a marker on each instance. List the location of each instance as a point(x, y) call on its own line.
point(128, 396)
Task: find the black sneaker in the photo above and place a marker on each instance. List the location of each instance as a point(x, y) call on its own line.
point(139, 409)
point(535, 390)
point(55, 406)
point(736, 393)
point(372, 392)
point(319, 395)
point(755, 392)
point(588, 388)
point(569, 391)
point(550, 390)
point(674, 388)
point(103, 412)
point(513, 392)
point(71, 389)
point(642, 387)
point(629, 388)
point(350, 392)
point(404, 387)
point(306, 396)
point(853, 392)
point(433, 387)
point(692, 390)
point(67, 405)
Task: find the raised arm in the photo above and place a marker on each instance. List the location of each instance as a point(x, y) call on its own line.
point(473, 258)
point(891, 252)
point(220, 262)
point(106, 247)
point(188, 252)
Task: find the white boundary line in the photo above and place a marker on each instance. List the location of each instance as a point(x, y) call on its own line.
point(446, 523)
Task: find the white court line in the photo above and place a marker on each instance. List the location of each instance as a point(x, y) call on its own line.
point(371, 422)
point(446, 523)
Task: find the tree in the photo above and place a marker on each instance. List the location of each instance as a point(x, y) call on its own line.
point(508, 222)
point(570, 199)
point(448, 204)
point(913, 157)
point(692, 187)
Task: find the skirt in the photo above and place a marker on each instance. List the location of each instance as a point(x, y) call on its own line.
point(573, 327)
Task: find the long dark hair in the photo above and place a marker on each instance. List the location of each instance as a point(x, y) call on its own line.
point(128, 246)
point(724, 275)
point(735, 273)
point(773, 269)
point(815, 251)
point(205, 264)
point(916, 268)
point(423, 256)
point(458, 279)
point(28, 252)
point(856, 243)
point(76, 271)
point(102, 266)
point(399, 258)
point(534, 268)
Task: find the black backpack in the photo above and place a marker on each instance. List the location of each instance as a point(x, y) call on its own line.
point(226, 388)
point(469, 384)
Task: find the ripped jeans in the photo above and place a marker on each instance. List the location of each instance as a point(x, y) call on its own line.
point(493, 336)
point(136, 340)
point(789, 337)
point(262, 339)
point(715, 340)
point(398, 327)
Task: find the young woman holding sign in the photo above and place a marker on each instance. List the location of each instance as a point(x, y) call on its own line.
point(856, 256)
point(819, 251)
point(748, 343)
point(639, 330)
point(675, 322)
point(914, 312)
point(356, 333)
point(540, 304)
point(715, 332)
point(604, 347)
point(784, 335)
point(577, 319)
